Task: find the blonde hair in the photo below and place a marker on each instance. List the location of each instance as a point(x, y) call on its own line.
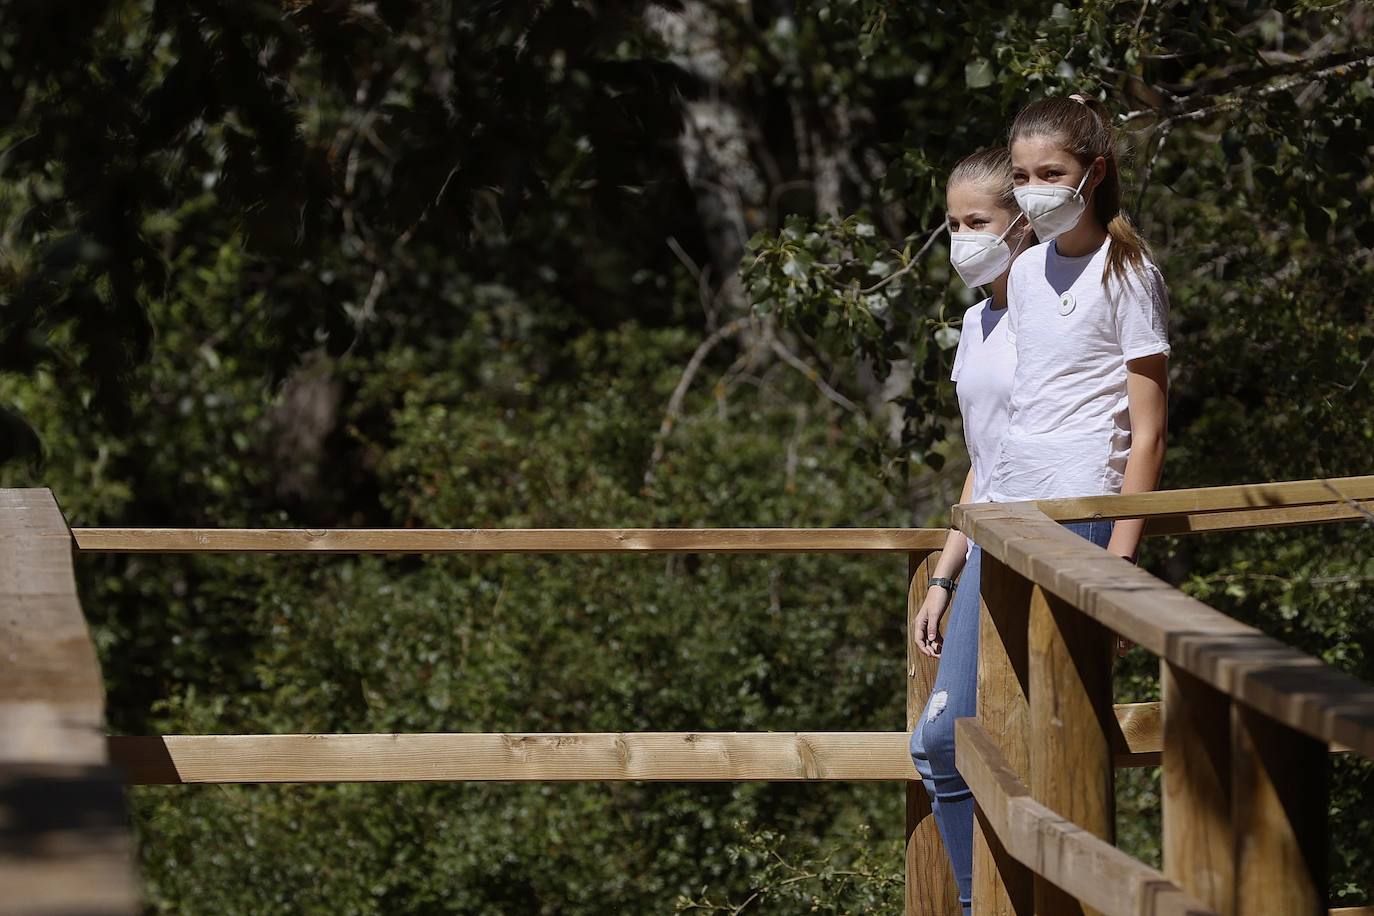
point(1082, 126)
point(990, 166)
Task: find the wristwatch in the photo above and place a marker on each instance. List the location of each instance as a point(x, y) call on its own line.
point(943, 581)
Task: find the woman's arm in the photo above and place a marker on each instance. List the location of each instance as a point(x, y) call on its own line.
point(1147, 388)
point(955, 551)
point(951, 563)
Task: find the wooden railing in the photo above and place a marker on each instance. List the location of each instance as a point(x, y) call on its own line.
point(1044, 688)
point(1248, 722)
point(65, 846)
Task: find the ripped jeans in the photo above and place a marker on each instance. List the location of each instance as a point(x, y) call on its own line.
point(954, 697)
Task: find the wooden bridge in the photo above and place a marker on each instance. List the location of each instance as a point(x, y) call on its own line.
point(1244, 731)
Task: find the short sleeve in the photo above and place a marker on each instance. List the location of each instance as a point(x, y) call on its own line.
point(1141, 310)
point(1013, 305)
point(971, 317)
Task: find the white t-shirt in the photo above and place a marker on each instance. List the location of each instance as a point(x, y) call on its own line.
point(983, 367)
point(1070, 428)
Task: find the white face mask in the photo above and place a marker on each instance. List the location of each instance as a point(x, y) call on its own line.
point(1052, 209)
point(981, 257)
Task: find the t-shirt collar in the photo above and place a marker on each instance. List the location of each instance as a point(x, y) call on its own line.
point(1054, 250)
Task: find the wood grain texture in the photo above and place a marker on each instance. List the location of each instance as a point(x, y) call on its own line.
point(508, 540)
point(1279, 804)
point(159, 760)
point(1246, 519)
point(65, 845)
point(930, 888)
point(1072, 723)
point(1001, 884)
point(1242, 497)
point(1240, 661)
point(1139, 736)
point(549, 757)
point(1199, 839)
point(1083, 865)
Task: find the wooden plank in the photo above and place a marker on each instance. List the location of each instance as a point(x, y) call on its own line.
point(1210, 499)
point(1139, 735)
point(1072, 724)
point(930, 889)
point(1199, 838)
point(1279, 788)
point(549, 757)
point(1284, 683)
point(1082, 865)
point(1001, 884)
point(64, 842)
point(1245, 519)
point(149, 760)
point(508, 540)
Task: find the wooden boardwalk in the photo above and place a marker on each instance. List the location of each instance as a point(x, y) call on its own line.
point(1244, 723)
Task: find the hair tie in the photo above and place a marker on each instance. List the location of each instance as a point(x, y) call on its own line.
point(1086, 103)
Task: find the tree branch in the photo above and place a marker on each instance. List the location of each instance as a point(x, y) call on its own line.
point(1199, 105)
point(930, 240)
point(810, 374)
point(689, 372)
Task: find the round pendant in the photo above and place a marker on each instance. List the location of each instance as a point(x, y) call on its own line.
point(1066, 303)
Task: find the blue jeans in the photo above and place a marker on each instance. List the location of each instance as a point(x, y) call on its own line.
point(954, 697)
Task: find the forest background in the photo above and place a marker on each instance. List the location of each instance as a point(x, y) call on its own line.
point(488, 264)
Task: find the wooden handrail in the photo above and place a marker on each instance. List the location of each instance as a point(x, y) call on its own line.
point(508, 540)
point(1170, 511)
point(1249, 519)
point(67, 847)
point(147, 760)
point(1290, 686)
point(1038, 758)
point(1090, 869)
point(1342, 491)
point(1248, 722)
point(545, 757)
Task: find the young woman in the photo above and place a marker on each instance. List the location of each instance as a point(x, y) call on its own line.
point(987, 232)
point(1087, 319)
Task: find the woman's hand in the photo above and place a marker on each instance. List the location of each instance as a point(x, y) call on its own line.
point(927, 624)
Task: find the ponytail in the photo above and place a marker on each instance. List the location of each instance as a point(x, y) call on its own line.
point(1083, 127)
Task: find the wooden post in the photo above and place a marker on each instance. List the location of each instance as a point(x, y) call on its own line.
point(65, 845)
point(930, 887)
point(1199, 841)
point(1245, 804)
point(1001, 885)
point(1279, 781)
point(1071, 721)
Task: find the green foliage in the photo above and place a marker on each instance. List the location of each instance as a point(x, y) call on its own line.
point(849, 879)
point(529, 644)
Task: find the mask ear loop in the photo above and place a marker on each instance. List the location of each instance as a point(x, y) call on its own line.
point(1023, 234)
point(1078, 191)
point(1012, 225)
